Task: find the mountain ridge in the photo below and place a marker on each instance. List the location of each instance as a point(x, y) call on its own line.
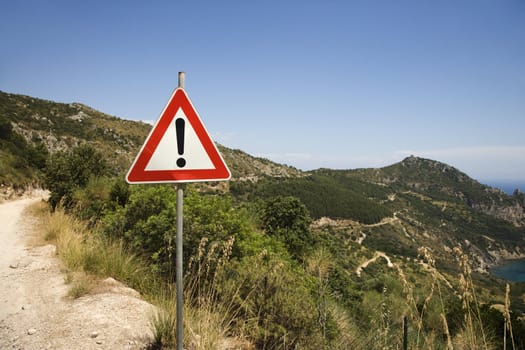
point(59, 126)
point(413, 172)
point(417, 200)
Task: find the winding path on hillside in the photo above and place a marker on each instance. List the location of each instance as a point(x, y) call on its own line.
point(377, 255)
point(35, 312)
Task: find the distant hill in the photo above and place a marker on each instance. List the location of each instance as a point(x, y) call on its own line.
point(444, 182)
point(399, 208)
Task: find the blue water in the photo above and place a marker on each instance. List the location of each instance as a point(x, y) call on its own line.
point(507, 187)
point(511, 270)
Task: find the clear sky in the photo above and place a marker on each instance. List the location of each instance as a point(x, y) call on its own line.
point(337, 84)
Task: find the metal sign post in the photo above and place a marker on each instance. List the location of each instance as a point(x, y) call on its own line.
point(178, 251)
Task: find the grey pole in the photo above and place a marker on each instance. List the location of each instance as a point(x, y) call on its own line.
point(405, 333)
point(178, 251)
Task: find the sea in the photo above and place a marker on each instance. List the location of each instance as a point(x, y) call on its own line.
point(513, 270)
point(507, 186)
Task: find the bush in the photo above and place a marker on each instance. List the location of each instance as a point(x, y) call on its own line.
point(276, 302)
point(148, 224)
point(287, 219)
point(66, 172)
point(120, 192)
point(90, 202)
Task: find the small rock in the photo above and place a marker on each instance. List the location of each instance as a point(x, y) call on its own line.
point(31, 331)
point(99, 342)
point(93, 334)
point(110, 281)
point(13, 265)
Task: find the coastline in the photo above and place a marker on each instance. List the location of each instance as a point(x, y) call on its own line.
point(510, 269)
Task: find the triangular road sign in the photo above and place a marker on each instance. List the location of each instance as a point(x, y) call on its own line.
point(178, 148)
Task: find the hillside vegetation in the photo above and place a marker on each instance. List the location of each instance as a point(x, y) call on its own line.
point(21, 163)
point(29, 125)
point(60, 126)
point(280, 258)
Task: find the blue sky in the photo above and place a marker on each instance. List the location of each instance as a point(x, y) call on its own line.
point(337, 84)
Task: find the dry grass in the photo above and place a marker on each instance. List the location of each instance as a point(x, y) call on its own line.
point(473, 335)
point(208, 315)
point(508, 324)
point(89, 258)
point(430, 307)
point(81, 284)
point(39, 212)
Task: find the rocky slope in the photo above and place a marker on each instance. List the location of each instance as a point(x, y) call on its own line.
point(442, 181)
point(60, 126)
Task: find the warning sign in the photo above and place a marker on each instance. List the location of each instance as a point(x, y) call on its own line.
point(178, 148)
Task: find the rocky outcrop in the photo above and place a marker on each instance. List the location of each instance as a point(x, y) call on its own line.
point(10, 193)
point(514, 214)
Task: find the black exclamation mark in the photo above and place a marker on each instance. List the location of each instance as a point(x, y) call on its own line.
point(179, 127)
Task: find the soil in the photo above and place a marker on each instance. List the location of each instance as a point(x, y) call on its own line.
point(35, 311)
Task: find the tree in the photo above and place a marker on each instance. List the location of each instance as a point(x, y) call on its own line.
point(288, 219)
point(67, 171)
point(520, 196)
point(147, 222)
point(5, 128)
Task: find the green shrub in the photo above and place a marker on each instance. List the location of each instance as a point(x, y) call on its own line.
point(148, 224)
point(66, 172)
point(288, 220)
point(90, 202)
point(276, 302)
point(120, 192)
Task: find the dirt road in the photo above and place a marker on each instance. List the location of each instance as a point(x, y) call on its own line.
point(35, 312)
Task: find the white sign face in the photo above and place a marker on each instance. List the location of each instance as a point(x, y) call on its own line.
point(167, 153)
